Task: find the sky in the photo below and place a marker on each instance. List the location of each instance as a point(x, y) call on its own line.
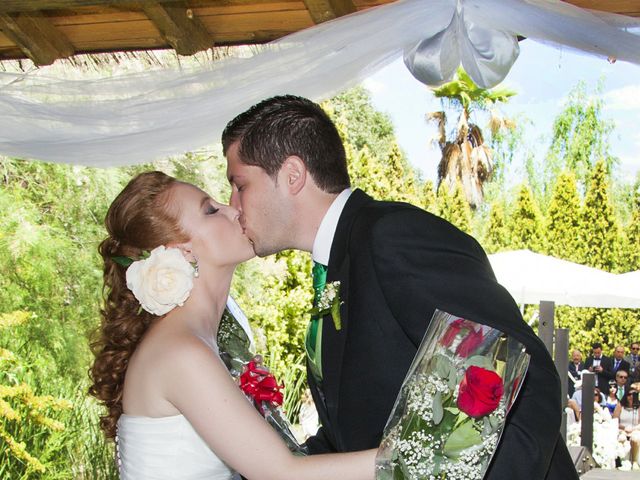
point(542, 76)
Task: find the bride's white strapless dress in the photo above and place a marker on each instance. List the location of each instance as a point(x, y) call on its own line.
point(165, 448)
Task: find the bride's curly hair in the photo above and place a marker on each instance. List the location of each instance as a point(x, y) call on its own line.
point(140, 218)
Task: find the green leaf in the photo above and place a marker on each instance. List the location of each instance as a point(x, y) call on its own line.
point(122, 261)
point(486, 426)
point(463, 437)
point(443, 365)
point(479, 361)
point(452, 410)
point(453, 378)
point(335, 313)
point(494, 422)
point(438, 411)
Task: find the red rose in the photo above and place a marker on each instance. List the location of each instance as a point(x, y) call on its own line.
point(480, 391)
point(261, 385)
point(452, 330)
point(470, 343)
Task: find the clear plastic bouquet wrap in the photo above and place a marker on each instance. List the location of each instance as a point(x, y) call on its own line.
point(451, 410)
point(255, 380)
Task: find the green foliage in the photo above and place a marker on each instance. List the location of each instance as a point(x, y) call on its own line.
point(611, 327)
point(508, 139)
point(363, 126)
point(43, 432)
point(429, 201)
point(630, 256)
point(525, 222)
point(599, 229)
point(497, 236)
point(580, 136)
point(462, 92)
point(277, 303)
point(563, 219)
point(454, 207)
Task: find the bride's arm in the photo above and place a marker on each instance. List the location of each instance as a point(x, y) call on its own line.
point(200, 387)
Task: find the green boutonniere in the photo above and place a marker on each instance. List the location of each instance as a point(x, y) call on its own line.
point(329, 303)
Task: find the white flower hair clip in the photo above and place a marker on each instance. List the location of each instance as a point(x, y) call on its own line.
point(161, 280)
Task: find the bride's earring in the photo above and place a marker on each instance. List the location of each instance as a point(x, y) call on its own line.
point(196, 267)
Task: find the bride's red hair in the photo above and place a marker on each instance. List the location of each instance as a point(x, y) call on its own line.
point(138, 219)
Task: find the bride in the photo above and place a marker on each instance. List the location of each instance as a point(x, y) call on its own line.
point(172, 406)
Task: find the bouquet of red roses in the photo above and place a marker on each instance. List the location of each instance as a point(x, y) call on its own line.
point(451, 409)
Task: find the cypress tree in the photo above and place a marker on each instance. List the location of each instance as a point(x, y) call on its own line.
point(599, 232)
point(460, 211)
point(454, 207)
point(630, 259)
point(525, 223)
point(429, 201)
point(497, 237)
point(563, 219)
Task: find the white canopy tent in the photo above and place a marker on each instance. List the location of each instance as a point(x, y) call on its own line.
point(531, 277)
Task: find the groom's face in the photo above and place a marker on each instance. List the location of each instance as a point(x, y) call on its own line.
point(263, 206)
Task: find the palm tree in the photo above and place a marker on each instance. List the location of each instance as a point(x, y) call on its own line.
point(467, 159)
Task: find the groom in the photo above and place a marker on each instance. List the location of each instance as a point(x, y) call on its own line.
point(396, 265)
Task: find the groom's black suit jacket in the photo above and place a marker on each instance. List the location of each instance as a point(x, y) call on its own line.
point(397, 264)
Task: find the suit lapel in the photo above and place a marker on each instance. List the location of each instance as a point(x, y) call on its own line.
point(333, 341)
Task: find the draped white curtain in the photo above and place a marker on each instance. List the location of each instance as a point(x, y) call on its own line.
point(140, 117)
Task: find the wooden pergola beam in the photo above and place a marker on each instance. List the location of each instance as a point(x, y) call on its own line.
point(36, 36)
point(323, 10)
point(37, 5)
point(624, 7)
point(178, 26)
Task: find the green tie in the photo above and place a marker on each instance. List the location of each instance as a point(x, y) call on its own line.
point(313, 341)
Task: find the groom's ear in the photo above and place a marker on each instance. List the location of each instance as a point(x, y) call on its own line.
point(294, 173)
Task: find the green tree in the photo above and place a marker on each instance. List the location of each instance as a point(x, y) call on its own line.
point(364, 125)
point(454, 208)
point(465, 157)
point(580, 136)
point(497, 236)
point(630, 258)
point(525, 222)
point(429, 202)
point(599, 229)
point(563, 219)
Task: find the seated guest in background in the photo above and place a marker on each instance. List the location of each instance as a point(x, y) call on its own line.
point(619, 363)
point(601, 365)
point(576, 365)
point(627, 415)
point(634, 362)
point(576, 398)
point(627, 412)
point(621, 385)
point(611, 401)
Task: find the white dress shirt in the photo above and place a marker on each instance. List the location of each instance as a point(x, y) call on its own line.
point(327, 230)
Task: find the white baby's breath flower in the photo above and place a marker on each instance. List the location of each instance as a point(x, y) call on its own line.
point(162, 281)
point(328, 295)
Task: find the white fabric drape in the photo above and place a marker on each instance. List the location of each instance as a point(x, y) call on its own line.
point(140, 117)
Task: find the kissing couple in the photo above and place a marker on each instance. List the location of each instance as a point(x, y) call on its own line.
point(171, 405)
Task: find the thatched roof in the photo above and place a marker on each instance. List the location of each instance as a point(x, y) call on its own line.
point(45, 30)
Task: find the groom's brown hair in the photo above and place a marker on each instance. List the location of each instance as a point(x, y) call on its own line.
point(282, 126)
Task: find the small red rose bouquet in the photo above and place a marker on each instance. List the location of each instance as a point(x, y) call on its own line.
point(254, 378)
point(452, 407)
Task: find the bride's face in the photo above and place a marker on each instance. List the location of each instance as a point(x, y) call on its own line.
point(216, 235)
